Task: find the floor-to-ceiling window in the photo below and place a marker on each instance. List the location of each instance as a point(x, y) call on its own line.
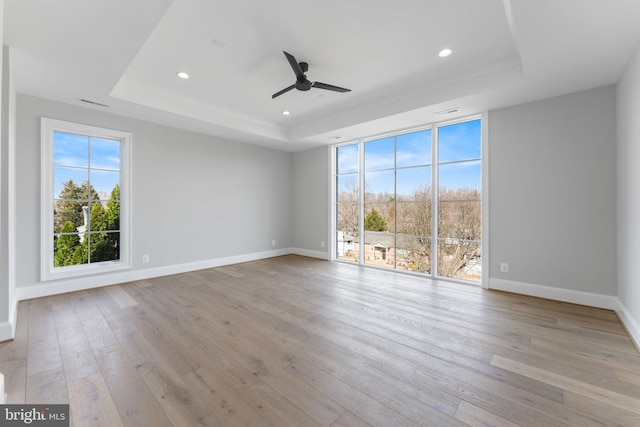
point(388, 214)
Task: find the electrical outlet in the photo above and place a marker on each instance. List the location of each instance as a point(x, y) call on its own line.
point(322, 244)
point(273, 243)
point(145, 258)
point(504, 267)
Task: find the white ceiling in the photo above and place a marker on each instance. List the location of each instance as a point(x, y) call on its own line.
point(126, 53)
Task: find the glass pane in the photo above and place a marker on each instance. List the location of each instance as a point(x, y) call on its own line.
point(347, 159)
point(413, 149)
point(379, 248)
point(459, 259)
point(413, 253)
point(460, 220)
point(348, 218)
point(69, 249)
point(104, 182)
point(412, 182)
point(460, 141)
point(97, 217)
point(379, 217)
point(68, 212)
point(379, 186)
point(414, 218)
point(347, 246)
point(70, 150)
point(67, 182)
point(348, 188)
point(112, 215)
point(379, 154)
point(105, 154)
point(104, 247)
point(460, 181)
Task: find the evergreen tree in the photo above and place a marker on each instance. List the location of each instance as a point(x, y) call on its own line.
point(374, 221)
point(73, 249)
point(70, 201)
point(80, 255)
point(101, 244)
point(69, 207)
point(112, 213)
point(65, 246)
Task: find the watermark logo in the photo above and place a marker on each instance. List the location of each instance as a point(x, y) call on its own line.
point(34, 415)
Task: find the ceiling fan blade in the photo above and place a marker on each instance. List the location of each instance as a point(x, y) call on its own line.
point(320, 85)
point(295, 66)
point(285, 90)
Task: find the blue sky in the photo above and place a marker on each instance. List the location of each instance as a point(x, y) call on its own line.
point(72, 155)
point(458, 142)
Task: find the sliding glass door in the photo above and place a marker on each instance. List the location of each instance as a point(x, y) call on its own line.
point(388, 214)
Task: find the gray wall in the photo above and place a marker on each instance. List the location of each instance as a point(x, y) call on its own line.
point(311, 200)
point(194, 197)
point(628, 109)
point(553, 192)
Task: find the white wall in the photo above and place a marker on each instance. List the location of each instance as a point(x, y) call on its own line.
point(553, 197)
point(8, 302)
point(198, 201)
point(628, 182)
point(4, 285)
point(311, 202)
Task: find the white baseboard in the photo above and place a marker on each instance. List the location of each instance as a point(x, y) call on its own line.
point(71, 285)
point(310, 254)
point(8, 329)
point(630, 323)
point(609, 302)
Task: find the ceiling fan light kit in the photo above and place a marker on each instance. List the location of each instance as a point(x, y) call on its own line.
point(302, 83)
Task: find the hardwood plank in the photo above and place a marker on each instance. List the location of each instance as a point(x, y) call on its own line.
point(47, 387)
point(92, 403)
point(292, 341)
point(43, 347)
point(122, 298)
point(604, 413)
point(478, 417)
point(347, 419)
point(600, 394)
point(13, 358)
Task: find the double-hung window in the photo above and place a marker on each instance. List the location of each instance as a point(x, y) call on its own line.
point(85, 199)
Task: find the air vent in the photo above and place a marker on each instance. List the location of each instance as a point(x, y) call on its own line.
point(448, 111)
point(88, 101)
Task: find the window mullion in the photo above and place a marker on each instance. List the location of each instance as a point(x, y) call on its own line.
point(361, 183)
point(434, 202)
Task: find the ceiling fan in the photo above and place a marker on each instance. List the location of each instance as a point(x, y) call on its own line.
point(302, 83)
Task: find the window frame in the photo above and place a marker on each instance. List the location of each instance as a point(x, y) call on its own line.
point(47, 270)
point(435, 180)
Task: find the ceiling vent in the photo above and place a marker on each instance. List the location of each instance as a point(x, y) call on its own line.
point(88, 101)
point(448, 111)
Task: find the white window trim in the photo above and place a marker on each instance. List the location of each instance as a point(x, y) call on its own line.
point(47, 270)
point(484, 176)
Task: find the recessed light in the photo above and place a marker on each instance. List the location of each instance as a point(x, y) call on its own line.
point(183, 75)
point(285, 113)
point(444, 52)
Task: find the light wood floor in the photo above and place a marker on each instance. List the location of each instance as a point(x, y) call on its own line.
point(293, 341)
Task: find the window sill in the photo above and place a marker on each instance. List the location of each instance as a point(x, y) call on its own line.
point(83, 270)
